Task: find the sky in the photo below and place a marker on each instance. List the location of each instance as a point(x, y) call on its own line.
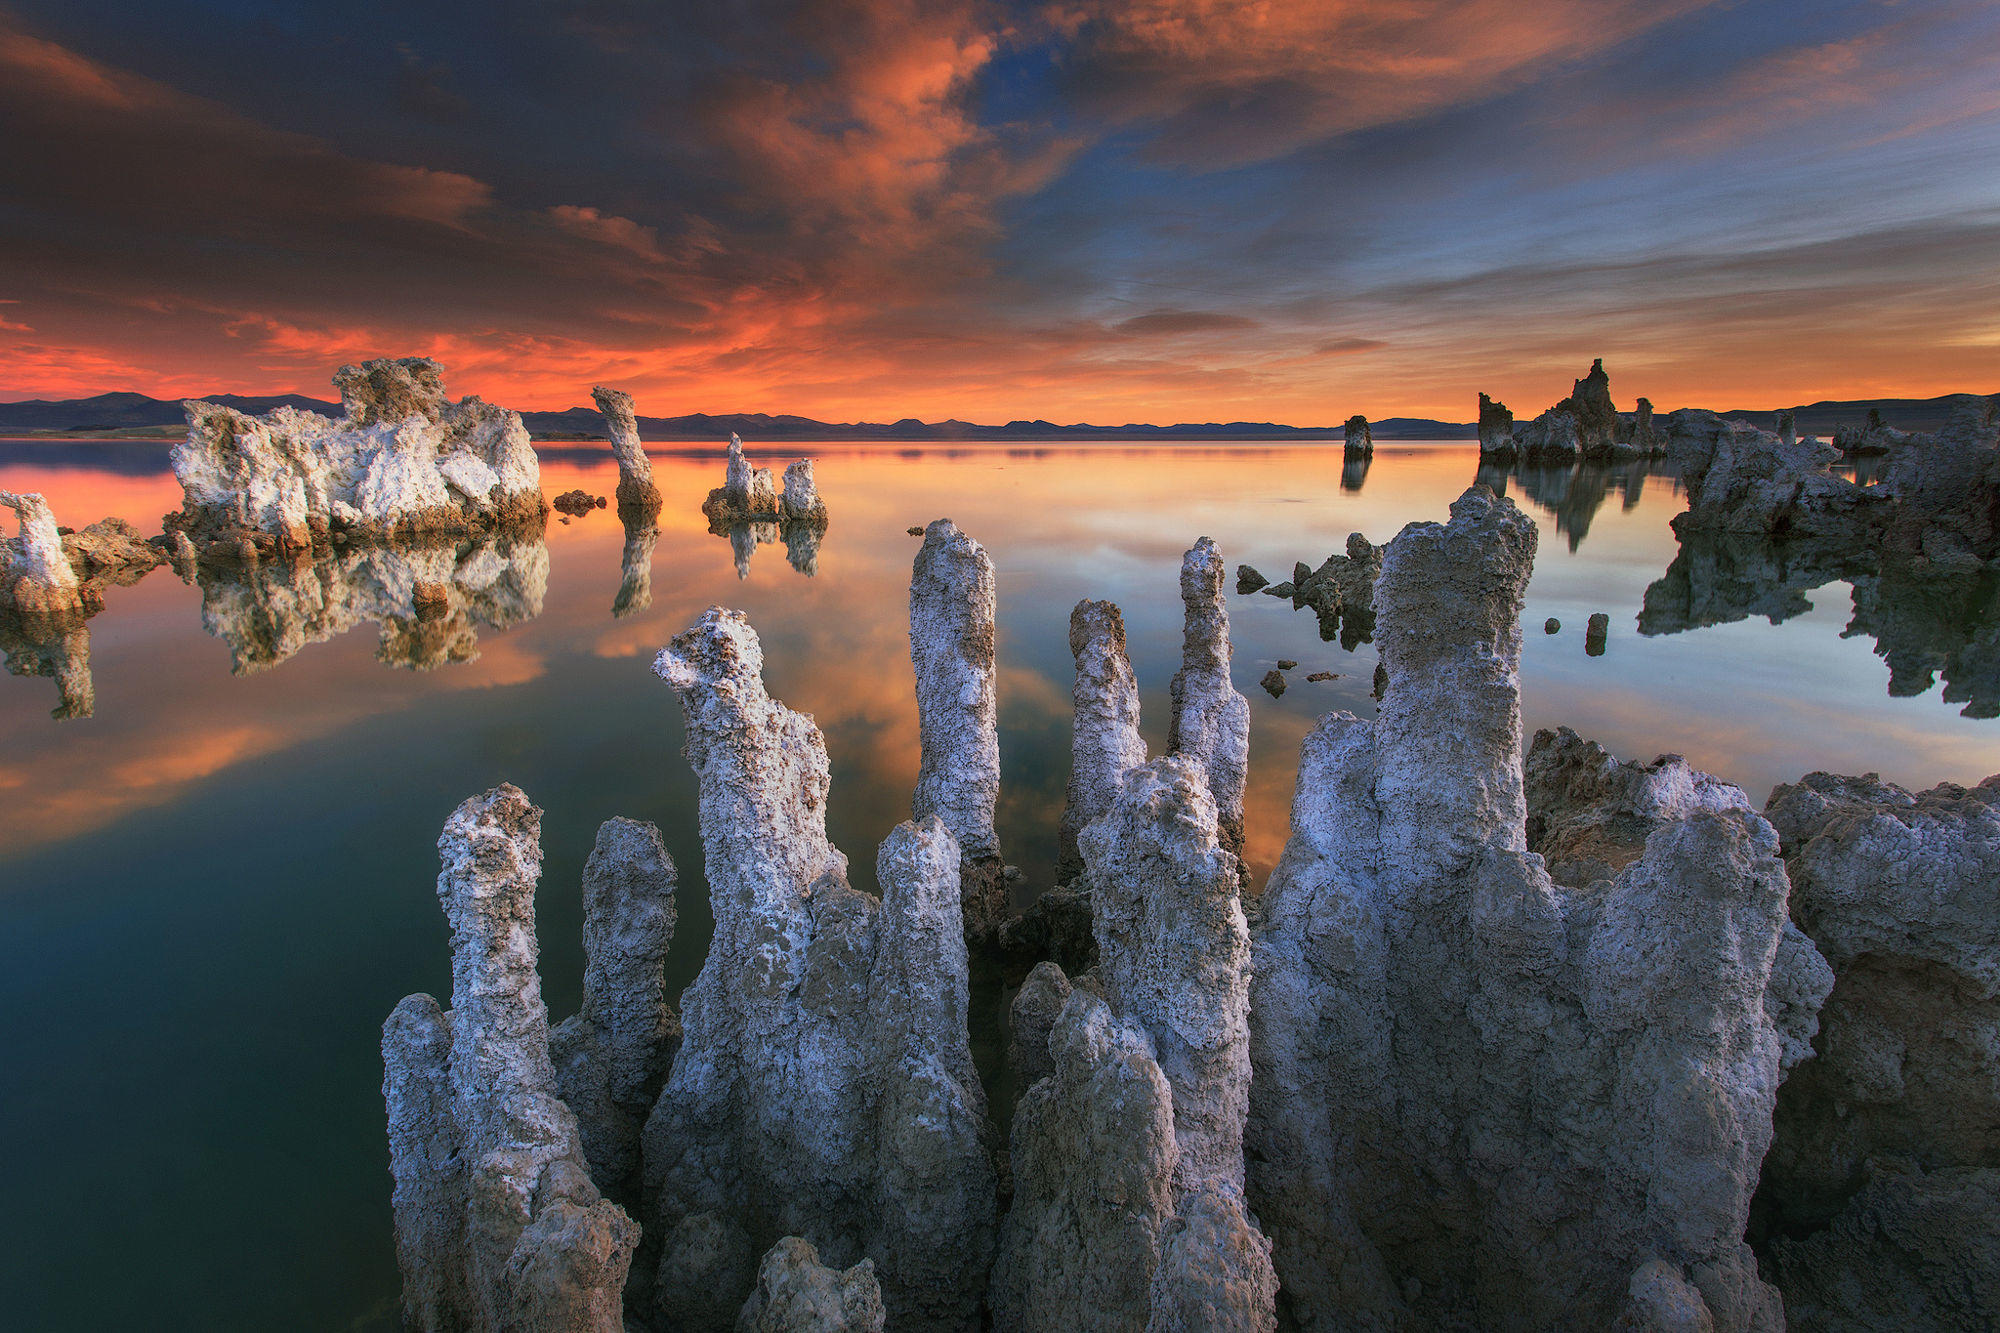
point(1075, 210)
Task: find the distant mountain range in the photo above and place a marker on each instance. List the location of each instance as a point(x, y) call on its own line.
point(136, 414)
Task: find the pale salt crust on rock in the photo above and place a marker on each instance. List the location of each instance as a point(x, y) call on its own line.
point(1211, 721)
point(824, 1087)
point(636, 489)
point(404, 461)
point(497, 1222)
point(1481, 1099)
point(952, 610)
point(35, 576)
point(1104, 729)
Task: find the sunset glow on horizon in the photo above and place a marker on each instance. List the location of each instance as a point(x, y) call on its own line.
point(1088, 211)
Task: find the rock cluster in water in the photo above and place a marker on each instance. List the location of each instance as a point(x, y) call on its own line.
point(1584, 425)
point(1341, 592)
point(404, 462)
point(1502, 1045)
point(751, 510)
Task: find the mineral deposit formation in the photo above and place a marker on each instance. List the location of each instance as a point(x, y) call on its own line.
point(404, 462)
point(1520, 1043)
point(636, 492)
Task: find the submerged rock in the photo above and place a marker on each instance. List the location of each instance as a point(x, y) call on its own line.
point(796, 1293)
point(824, 1087)
point(403, 462)
point(1210, 721)
point(1880, 1188)
point(636, 489)
point(612, 1056)
point(1482, 1099)
point(36, 578)
point(497, 1222)
point(1104, 729)
point(952, 608)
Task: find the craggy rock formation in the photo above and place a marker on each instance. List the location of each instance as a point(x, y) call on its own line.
point(1881, 1193)
point(577, 503)
point(612, 1056)
point(1872, 439)
point(1496, 431)
point(636, 490)
point(1273, 683)
point(1104, 733)
point(800, 503)
point(1597, 420)
point(824, 1087)
point(1360, 440)
point(1947, 490)
point(796, 1293)
point(57, 647)
point(35, 575)
point(1211, 721)
point(1741, 479)
point(635, 566)
point(268, 612)
point(1249, 580)
point(404, 462)
point(1481, 1099)
point(1788, 427)
point(1341, 592)
point(1595, 631)
point(497, 1222)
point(746, 492)
point(1589, 817)
point(1644, 437)
point(952, 607)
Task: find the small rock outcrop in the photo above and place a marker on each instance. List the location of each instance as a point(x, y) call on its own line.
point(403, 463)
point(1482, 1100)
point(1211, 721)
point(750, 510)
point(1104, 730)
point(497, 1222)
point(953, 602)
point(1744, 480)
point(796, 1293)
point(824, 1086)
point(746, 492)
point(1496, 431)
point(35, 575)
point(1341, 592)
point(1249, 580)
point(799, 503)
point(1360, 439)
point(612, 1056)
point(1881, 1192)
point(636, 490)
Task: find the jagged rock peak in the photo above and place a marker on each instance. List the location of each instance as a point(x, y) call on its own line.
point(498, 1224)
point(1496, 429)
point(1104, 731)
point(1210, 720)
point(953, 603)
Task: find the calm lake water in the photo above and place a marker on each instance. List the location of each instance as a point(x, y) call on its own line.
point(214, 888)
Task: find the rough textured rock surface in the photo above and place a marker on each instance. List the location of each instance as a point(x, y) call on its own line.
point(612, 1056)
point(746, 492)
point(824, 1087)
point(800, 502)
point(1496, 430)
point(1210, 721)
point(952, 608)
point(1741, 479)
point(497, 1222)
point(1947, 490)
point(1895, 1124)
point(404, 462)
point(111, 551)
point(1482, 1100)
point(268, 612)
point(1360, 439)
point(1249, 580)
point(796, 1293)
point(636, 489)
point(35, 575)
point(1104, 733)
point(1589, 817)
point(1341, 592)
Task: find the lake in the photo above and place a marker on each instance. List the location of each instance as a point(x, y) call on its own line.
point(214, 887)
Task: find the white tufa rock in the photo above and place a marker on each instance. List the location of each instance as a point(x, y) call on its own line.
point(800, 502)
point(497, 1222)
point(747, 489)
point(636, 489)
point(952, 608)
point(1104, 733)
point(824, 1087)
point(35, 576)
point(612, 1056)
point(1211, 721)
point(1483, 1100)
